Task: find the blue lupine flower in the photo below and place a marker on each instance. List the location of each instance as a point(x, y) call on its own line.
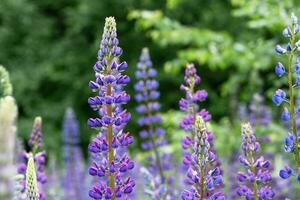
point(278, 97)
point(280, 50)
point(285, 115)
point(287, 32)
point(289, 143)
point(286, 172)
point(289, 47)
point(298, 178)
point(279, 69)
point(258, 169)
point(160, 164)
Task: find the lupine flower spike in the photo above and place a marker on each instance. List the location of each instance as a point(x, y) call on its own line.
point(255, 181)
point(73, 183)
point(203, 179)
point(35, 142)
point(8, 115)
point(289, 112)
point(153, 135)
point(31, 180)
point(200, 160)
point(111, 142)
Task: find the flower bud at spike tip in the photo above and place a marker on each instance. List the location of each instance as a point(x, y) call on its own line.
point(36, 139)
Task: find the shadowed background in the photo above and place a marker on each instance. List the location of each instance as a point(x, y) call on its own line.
point(50, 46)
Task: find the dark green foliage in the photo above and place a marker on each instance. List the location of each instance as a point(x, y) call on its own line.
point(50, 47)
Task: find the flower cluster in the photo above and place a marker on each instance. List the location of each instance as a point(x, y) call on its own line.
point(192, 97)
point(111, 141)
point(150, 120)
point(255, 181)
point(74, 165)
point(35, 142)
point(200, 159)
point(201, 176)
point(290, 113)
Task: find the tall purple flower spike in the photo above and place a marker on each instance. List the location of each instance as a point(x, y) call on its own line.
point(160, 164)
point(110, 144)
point(203, 172)
point(73, 183)
point(35, 142)
point(255, 181)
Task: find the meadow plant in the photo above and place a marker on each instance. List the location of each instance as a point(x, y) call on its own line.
point(204, 179)
point(290, 112)
point(159, 163)
point(39, 158)
point(255, 181)
point(111, 142)
point(8, 115)
point(73, 182)
point(200, 159)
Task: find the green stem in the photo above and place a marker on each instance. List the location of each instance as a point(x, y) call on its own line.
point(252, 168)
point(292, 102)
point(152, 139)
point(111, 156)
point(202, 180)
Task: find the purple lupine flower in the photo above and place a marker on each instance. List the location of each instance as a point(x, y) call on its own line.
point(192, 97)
point(35, 142)
point(73, 182)
point(254, 182)
point(110, 145)
point(211, 175)
point(153, 135)
point(289, 113)
point(203, 178)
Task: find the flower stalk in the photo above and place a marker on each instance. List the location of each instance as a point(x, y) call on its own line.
point(108, 148)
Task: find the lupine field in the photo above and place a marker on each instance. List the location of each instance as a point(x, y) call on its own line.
point(158, 100)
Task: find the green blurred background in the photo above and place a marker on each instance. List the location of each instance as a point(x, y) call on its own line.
point(50, 46)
